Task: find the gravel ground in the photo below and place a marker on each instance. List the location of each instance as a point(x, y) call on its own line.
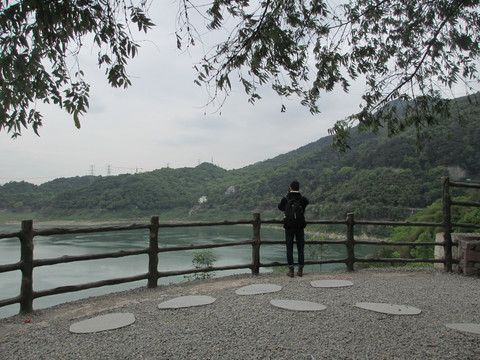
point(248, 327)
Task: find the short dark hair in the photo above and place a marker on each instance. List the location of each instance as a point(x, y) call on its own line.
point(295, 185)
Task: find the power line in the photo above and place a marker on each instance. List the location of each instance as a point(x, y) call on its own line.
point(136, 168)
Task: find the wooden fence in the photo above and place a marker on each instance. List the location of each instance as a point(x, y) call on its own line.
point(27, 262)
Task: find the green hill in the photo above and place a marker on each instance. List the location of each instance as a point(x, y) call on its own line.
point(378, 178)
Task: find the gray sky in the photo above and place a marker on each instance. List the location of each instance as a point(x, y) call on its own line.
point(161, 121)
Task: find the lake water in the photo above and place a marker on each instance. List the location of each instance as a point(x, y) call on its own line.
point(47, 277)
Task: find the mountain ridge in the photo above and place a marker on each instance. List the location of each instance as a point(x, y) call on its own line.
point(378, 178)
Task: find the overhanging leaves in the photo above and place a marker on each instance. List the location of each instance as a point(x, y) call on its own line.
point(418, 51)
point(38, 37)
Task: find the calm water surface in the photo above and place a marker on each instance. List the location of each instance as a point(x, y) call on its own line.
point(47, 277)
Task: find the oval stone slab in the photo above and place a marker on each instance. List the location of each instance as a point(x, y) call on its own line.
point(186, 301)
point(465, 327)
point(330, 283)
point(103, 323)
point(255, 289)
point(298, 305)
point(391, 309)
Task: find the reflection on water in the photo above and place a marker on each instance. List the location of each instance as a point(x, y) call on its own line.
point(47, 277)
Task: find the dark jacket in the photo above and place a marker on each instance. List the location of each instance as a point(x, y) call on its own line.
point(293, 194)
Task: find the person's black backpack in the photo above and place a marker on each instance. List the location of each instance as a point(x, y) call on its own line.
point(294, 214)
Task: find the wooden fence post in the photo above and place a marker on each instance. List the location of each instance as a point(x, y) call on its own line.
point(153, 253)
point(447, 225)
point(350, 243)
point(26, 258)
point(256, 244)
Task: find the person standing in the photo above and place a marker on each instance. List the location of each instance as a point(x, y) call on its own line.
point(293, 205)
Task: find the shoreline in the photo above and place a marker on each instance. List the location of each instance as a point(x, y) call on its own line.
point(92, 223)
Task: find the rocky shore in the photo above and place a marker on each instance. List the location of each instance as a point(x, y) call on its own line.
point(249, 327)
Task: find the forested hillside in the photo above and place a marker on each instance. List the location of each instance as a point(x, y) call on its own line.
point(378, 178)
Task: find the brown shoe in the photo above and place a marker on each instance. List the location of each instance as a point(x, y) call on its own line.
point(290, 272)
point(300, 272)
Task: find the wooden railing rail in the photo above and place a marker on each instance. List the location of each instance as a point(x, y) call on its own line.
point(447, 223)
point(27, 262)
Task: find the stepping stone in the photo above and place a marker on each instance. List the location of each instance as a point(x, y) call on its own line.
point(298, 305)
point(255, 289)
point(186, 301)
point(389, 308)
point(103, 323)
point(330, 283)
point(465, 327)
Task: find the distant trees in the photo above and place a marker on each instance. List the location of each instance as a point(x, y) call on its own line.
point(370, 181)
point(21, 196)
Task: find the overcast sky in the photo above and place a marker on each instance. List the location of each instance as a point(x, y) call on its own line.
point(161, 121)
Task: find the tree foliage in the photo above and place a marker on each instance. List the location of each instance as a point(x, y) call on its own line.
point(412, 50)
point(39, 46)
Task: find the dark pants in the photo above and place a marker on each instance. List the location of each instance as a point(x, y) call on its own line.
point(299, 235)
